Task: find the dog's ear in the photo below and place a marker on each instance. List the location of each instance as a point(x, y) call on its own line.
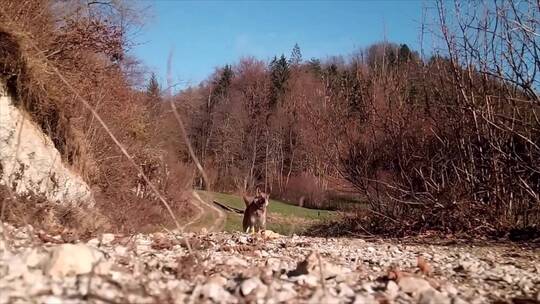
point(247, 201)
point(258, 192)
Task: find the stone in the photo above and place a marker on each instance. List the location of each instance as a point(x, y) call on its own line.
point(236, 261)
point(285, 296)
point(269, 234)
point(413, 285)
point(345, 291)
point(307, 280)
point(29, 159)
point(365, 299)
point(392, 289)
point(253, 285)
point(217, 279)
point(214, 292)
point(73, 259)
point(36, 258)
point(93, 242)
point(107, 238)
point(311, 265)
point(431, 296)
point(16, 267)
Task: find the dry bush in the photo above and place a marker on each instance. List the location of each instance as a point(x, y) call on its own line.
point(52, 218)
point(304, 191)
point(85, 43)
point(447, 143)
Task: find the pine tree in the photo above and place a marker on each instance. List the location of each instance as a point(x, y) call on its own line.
point(279, 74)
point(221, 86)
point(296, 56)
point(153, 90)
point(404, 54)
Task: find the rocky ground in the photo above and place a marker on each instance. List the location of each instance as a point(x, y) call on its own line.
point(238, 268)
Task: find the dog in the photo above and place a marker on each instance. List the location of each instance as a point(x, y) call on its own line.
point(255, 212)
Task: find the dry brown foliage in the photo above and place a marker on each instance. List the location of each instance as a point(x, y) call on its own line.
point(448, 143)
point(85, 43)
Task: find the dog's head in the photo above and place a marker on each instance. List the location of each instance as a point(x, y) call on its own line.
point(261, 199)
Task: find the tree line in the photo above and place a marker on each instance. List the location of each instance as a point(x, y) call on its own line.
point(449, 141)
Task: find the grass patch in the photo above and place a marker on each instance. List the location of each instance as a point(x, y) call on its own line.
point(282, 218)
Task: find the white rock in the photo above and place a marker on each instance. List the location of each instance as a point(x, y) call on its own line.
point(252, 285)
point(52, 300)
point(107, 238)
point(319, 296)
point(30, 161)
point(269, 234)
point(93, 242)
point(285, 295)
point(73, 259)
point(36, 258)
point(221, 281)
point(392, 289)
point(345, 291)
point(308, 280)
point(431, 296)
point(120, 250)
point(242, 240)
point(235, 261)
point(214, 292)
point(450, 289)
point(413, 285)
point(364, 299)
point(16, 267)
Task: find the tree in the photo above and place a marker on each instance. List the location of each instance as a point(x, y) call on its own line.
point(404, 54)
point(296, 56)
point(153, 90)
point(314, 66)
point(279, 74)
point(221, 86)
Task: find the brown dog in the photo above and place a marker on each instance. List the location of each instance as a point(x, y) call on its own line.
point(255, 212)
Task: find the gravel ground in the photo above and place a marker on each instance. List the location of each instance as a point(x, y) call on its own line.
point(239, 268)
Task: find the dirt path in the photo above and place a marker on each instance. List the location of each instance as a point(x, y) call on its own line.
point(208, 216)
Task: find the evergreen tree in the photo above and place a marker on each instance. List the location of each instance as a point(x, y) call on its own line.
point(296, 56)
point(153, 90)
point(391, 54)
point(404, 54)
point(279, 74)
point(221, 86)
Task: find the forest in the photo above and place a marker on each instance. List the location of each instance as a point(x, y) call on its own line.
point(447, 142)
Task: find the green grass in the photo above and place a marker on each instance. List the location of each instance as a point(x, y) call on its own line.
point(282, 218)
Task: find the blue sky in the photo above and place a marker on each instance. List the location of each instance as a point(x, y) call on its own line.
point(208, 34)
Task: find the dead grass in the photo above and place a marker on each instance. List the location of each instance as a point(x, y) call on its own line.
point(38, 59)
point(51, 218)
